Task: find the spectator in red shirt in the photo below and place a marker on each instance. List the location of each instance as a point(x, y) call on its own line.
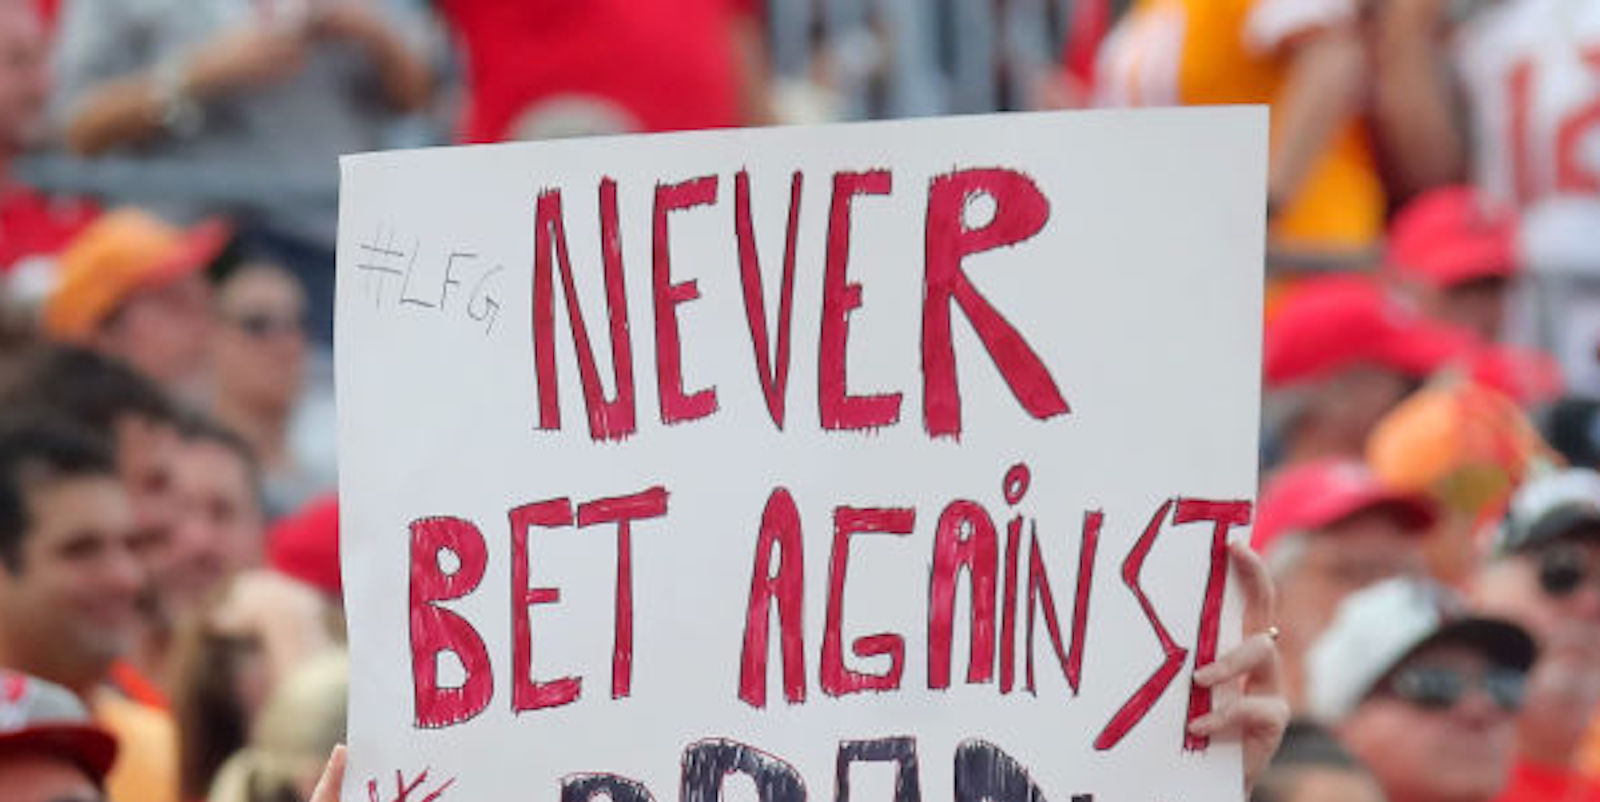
point(1456, 257)
point(30, 224)
point(1340, 355)
point(605, 66)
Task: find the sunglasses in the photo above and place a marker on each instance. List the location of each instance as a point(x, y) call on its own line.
point(1442, 688)
point(262, 325)
point(1562, 571)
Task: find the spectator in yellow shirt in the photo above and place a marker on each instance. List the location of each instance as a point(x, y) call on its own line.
point(1305, 59)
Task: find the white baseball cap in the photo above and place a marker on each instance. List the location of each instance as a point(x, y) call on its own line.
point(1378, 628)
point(1549, 507)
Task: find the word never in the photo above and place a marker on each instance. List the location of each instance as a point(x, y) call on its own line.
point(1020, 212)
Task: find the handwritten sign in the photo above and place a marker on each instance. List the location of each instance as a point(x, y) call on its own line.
point(888, 461)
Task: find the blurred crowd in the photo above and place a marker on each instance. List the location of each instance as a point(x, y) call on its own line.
point(170, 610)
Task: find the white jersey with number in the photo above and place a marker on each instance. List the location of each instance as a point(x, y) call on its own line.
point(1531, 72)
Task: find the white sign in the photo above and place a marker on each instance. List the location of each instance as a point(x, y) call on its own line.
point(887, 461)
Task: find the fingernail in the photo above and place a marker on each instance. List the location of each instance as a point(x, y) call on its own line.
point(1200, 726)
point(1206, 675)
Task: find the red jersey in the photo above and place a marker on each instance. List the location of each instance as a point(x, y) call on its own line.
point(32, 224)
point(1530, 783)
point(554, 67)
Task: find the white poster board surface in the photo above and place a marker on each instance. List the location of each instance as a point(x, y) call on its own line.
point(888, 460)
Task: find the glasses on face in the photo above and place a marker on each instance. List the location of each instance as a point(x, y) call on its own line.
point(1564, 567)
point(1562, 570)
point(265, 325)
point(1443, 687)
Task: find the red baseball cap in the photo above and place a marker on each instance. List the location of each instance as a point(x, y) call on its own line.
point(38, 717)
point(1314, 495)
point(305, 545)
point(1330, 324)
point(1448, 236)
point(1529, 376)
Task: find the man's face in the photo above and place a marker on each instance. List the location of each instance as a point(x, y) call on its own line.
point(70, 601)
point(1552, 589)
point(1360, 550)
point(220, 523)
point(31, 777)
point(147, 454)
point(1446, 750)
point(24, 77)
point(1478, 306)
point(163, 331)
point(1352, 402)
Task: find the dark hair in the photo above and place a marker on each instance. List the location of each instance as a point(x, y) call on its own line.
point(197, 427)
point(212, 720)
point(1572, 427)
point(91, 389)
point(240, 260)
point(1306, 745)
point(36, 446)
point(227, 260)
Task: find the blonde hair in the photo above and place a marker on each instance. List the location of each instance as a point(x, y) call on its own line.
point(301, 723)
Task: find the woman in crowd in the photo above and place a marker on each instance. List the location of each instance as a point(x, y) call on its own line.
point(259, 354)
point(231, 658)
point(302, 721)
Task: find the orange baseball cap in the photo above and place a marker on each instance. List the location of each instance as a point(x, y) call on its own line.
point(123, 251)
point(1464, 440)
point(1467, 446)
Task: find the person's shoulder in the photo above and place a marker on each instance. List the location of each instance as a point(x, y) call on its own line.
point(123, 714)
point(148, 763)
point(1272, 25)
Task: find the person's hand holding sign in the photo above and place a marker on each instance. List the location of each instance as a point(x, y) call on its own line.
point(332, 778)
point(902, 504)
point(1260, 713)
